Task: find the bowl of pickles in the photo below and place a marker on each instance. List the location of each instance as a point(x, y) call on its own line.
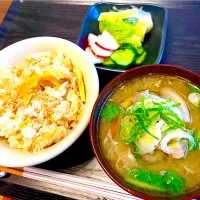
point(117, 37)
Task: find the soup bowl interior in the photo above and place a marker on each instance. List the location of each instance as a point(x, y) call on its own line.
point(163, 69)
point(15, 54)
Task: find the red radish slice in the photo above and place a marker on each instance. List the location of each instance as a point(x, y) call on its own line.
point(92, 57)
point(98, 55)
point(102, 47)
point(107, 42)
point(98, 51)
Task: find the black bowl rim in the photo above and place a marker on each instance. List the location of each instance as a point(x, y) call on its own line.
point(163, 38)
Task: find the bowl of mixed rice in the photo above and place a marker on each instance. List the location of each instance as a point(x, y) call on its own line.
point(48, 88)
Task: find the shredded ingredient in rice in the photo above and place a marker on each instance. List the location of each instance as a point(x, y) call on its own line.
point(41, 101)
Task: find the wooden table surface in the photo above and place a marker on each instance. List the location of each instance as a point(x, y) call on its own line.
point(5, 4)
point(63, 18)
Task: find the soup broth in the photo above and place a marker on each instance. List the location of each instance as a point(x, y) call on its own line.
point(122, 156)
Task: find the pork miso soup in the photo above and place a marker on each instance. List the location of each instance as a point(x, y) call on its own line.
point(149, 133)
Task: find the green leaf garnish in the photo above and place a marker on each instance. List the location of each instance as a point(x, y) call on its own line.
point(111, 112)
point(146, 179)
point(175, 184)
point(169, 182)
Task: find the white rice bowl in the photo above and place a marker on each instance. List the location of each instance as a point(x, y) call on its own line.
point(16, 53)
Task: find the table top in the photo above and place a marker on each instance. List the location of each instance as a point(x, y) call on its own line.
point(63, 18)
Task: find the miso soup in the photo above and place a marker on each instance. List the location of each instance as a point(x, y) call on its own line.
point(149, 133)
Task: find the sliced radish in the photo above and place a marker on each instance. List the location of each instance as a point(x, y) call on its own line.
point(103, 47)
point(92, 57)
point(107, 42)
point(99, 55)
point(98, 51)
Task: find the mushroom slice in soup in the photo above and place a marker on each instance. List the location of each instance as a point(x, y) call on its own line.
point(169, 93)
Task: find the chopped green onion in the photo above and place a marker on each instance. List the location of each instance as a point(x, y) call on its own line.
point(152, 109)
point(139, 117)
point(196, 137)
point(169, 129)
point(192, 88)
point(157, 104)
point(153, 117)
point(169, 100)
point(137, 153)
point(172, 119)
point(176, 105)
point(124, 135)
point(144, 127)
point(124, 129)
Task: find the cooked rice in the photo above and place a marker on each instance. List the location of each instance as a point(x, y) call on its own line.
point(41, 101)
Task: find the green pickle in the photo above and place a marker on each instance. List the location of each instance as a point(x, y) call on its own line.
point(109, 63)
point(123, 57)
point(140, 60)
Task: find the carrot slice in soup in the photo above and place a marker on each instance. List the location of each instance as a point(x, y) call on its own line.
point(115, 127)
